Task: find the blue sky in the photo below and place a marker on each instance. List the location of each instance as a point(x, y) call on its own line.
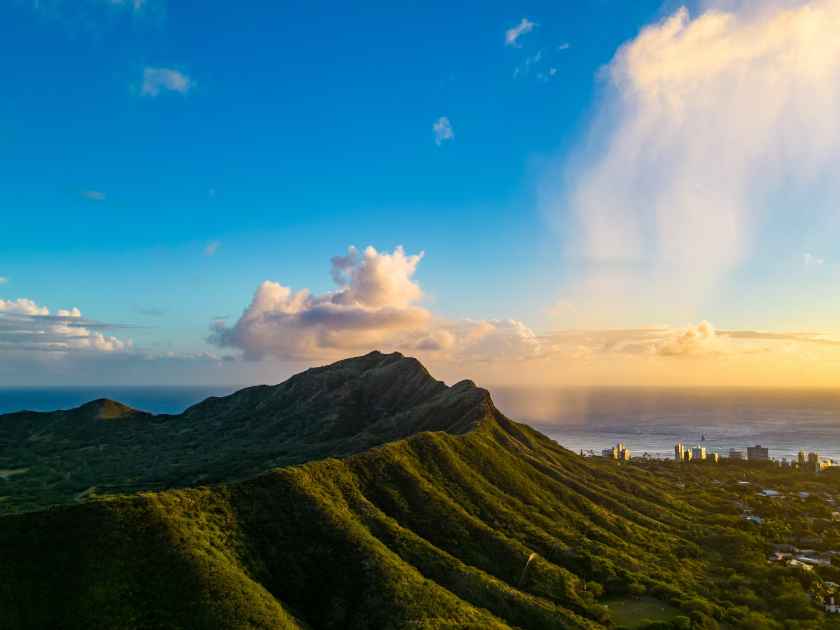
point(162, 161)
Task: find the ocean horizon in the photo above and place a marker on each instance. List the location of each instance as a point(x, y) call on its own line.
point(649, 421)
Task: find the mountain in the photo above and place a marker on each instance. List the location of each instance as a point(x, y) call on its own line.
point(104, 447)
point(418, 506)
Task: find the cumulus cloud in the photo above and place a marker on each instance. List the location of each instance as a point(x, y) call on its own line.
point(375, 305)
point(157, 80)
point(28, 327)
point(443, 130)
point(513, 34)
point(702, 117)
point(694, 340)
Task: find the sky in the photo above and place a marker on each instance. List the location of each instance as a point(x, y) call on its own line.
point(589, 193)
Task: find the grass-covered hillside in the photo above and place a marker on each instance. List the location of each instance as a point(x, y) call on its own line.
point(104, 447)
point(478, 523)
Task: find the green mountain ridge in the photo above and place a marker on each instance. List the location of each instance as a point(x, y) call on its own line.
point(104, 446)
point(440, 513)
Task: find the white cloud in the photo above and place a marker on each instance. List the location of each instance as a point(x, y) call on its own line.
point(695, 340)
point(703, 117)
point(700, 340)
point(513, 34)
point(211, 248)
point(28, 327)
point(810, 260)
point(443, 130)
point(4, 280)
point(374, 306)
point(93, 195)
point(156, 80)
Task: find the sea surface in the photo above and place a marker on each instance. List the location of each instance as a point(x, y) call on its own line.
point(152, 399)
point(651, 421)
point(646, 420)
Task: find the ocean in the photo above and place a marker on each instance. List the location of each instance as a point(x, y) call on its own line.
point(159, 399)
point(647, 420)
point(653, 420)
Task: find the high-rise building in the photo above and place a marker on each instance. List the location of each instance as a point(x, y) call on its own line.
point(714, 457)
point(801, 459)
point(758, 453)
point(698, 452)
point(679, 451)
point(687, 455)
point(735, 454)
point(611, 453)
point(619, 451)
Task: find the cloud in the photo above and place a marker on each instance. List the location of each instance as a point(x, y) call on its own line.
point(695, 340)
point(810, 260)
point(702, 340)
point(28, 327)
point(702, 117)
point(375, 305)
point(443, 130)
point(156, 80)
point(211, 248)
point(513, 34)
point(93, 195)
point(4, 280)
point(134, 5)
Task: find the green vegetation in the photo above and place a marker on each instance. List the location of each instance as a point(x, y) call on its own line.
point(479, 522)
point(638, 612)
point(104, 447)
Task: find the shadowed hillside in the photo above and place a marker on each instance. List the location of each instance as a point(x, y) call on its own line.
point(461, 518)
point(104, 447)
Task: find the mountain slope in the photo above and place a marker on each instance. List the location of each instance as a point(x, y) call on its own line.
point(104, 447)
point(479, 523)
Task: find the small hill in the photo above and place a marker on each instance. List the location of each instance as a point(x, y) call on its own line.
point(105, 409)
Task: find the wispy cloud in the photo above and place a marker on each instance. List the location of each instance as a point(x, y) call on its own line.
point(134, 5)
point(157, 80)
point(664, 204)
point(443, 130)
point(702, 340)
point(513, 34)
point(4, 280)
point(810, 260)
point(93, 195)
point(211, 248)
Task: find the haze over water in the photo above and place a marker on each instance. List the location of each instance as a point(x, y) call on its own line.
point(646, 420)
point(652, 421)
